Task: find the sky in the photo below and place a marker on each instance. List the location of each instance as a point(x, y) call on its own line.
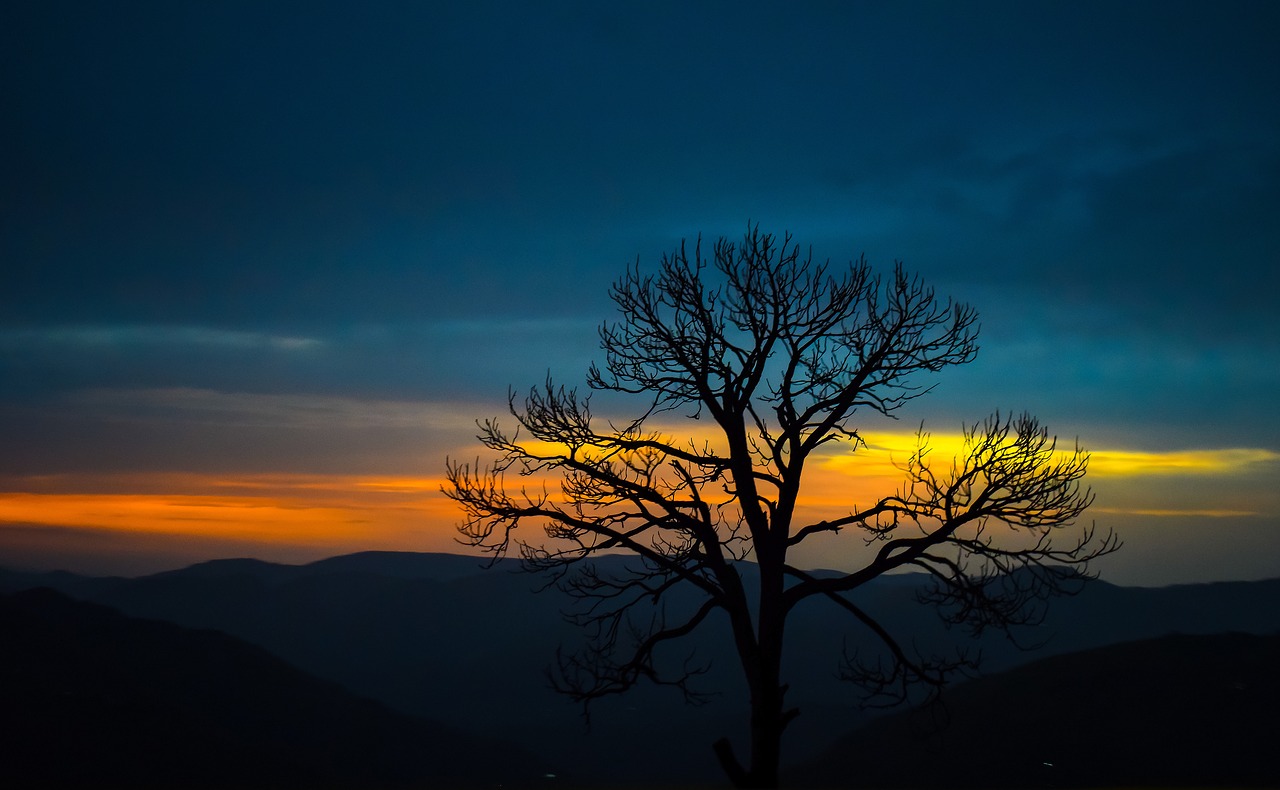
point(262, 265)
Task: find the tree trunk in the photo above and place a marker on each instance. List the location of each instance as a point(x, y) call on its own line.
point(766, 735)
point(768, 719)
point(767, 723)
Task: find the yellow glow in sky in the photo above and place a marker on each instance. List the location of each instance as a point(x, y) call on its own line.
point(1121, 463)
point(882, 448)
point(353, 512)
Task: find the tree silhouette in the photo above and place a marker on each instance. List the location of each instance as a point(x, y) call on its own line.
point(778, 353)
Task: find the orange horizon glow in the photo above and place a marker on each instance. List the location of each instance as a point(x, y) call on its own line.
point(411, 512)
point(271, 509)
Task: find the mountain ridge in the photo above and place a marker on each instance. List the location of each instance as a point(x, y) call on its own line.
point(438, 635)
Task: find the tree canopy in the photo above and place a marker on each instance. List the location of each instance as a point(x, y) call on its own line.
point(775, 356)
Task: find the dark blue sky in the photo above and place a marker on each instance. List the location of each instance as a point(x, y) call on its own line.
point(426, 202)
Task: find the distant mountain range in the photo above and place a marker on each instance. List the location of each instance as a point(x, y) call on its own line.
point(439, 636)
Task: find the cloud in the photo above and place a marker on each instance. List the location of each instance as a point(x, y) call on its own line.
point(1213, 482)
point(123, 337)
point(248, 409)
point(1172, 513)
point(885, 446)
point(1181, 463)
point(350, 512)
point(203, 430)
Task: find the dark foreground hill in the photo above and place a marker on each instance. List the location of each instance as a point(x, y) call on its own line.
point(439, 637)
point(91, 698)
point(1174, 711)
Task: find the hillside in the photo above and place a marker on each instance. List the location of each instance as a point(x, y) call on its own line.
point(439, 636)
point(1179, 710)
point(91, 698)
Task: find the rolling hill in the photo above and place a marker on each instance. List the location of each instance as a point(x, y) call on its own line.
point(438, 636)
point(92, 698)
point(1175, 711)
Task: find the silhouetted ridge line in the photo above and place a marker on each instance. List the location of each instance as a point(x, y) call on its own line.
point(471, 651)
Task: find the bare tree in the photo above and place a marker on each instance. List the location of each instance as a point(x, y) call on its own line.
point(776, 354)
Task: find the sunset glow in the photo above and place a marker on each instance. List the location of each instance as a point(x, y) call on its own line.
point(1119, 463)
point(883, 450)
point(410, 513)
point(262, 305)
point(337, 511)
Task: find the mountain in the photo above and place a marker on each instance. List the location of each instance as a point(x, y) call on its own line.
point(441, 637)
point(390, 564)
point(71, 584)
point(410, 565)
point(437, 636)
point(1178, 710)
point(92, 698)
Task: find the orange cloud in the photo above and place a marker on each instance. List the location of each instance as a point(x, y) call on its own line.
point(355, 512)
point(352, 512)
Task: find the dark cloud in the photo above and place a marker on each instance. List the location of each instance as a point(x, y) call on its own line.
point(235, 163)
point(428, 202)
